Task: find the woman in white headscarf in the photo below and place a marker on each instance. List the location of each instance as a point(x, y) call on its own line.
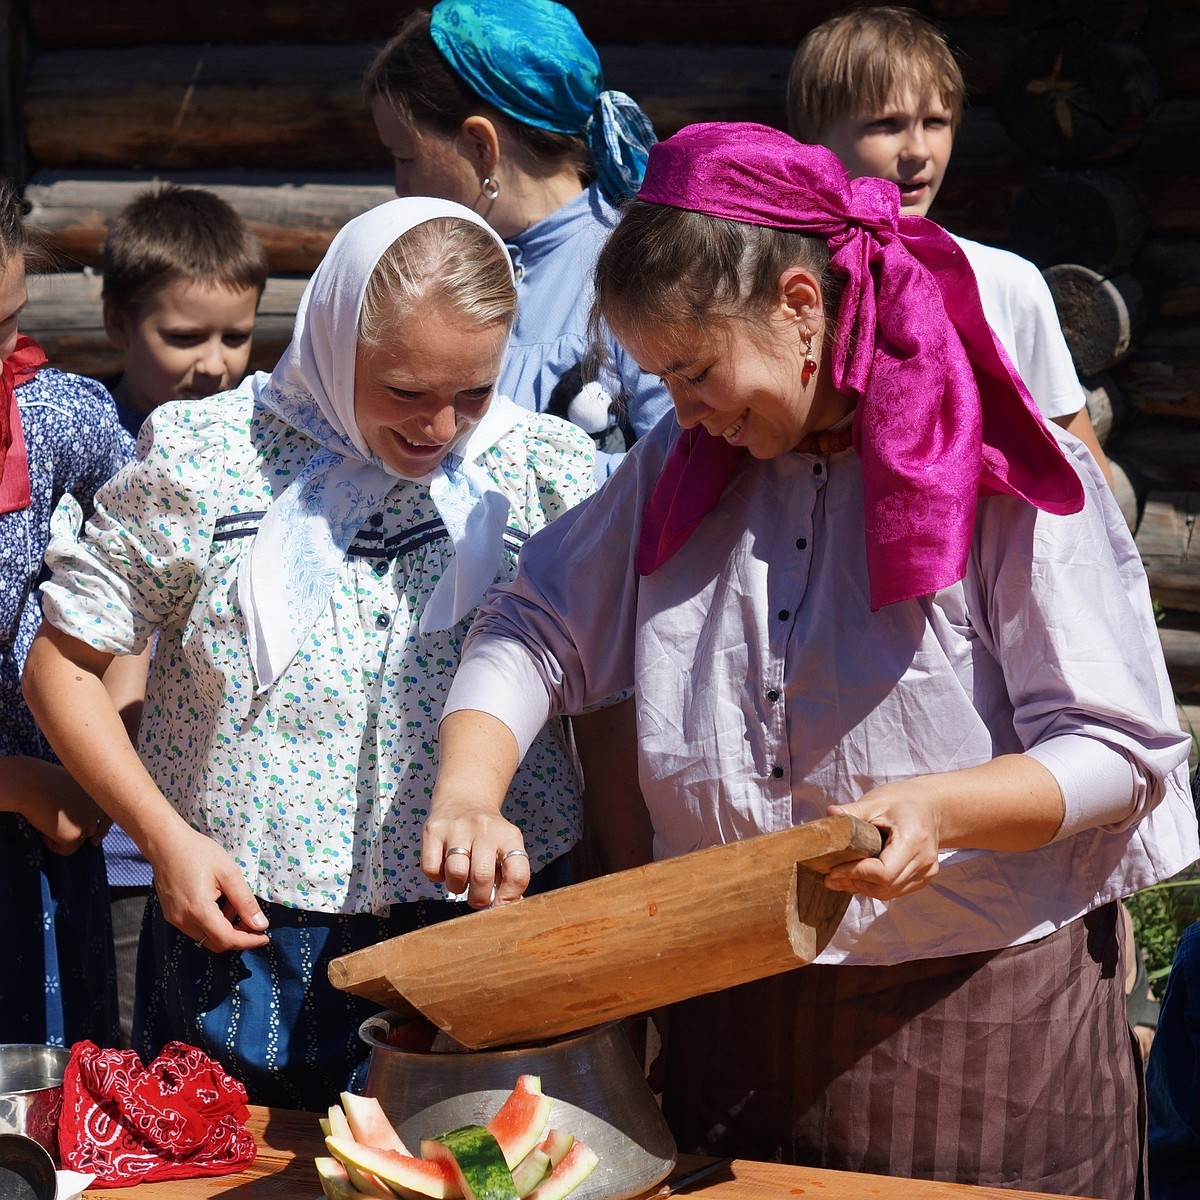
point(309, 549)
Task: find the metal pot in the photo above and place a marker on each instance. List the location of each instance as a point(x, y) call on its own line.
point(600, 1095)
point(26, 1170)
point(31, 1094)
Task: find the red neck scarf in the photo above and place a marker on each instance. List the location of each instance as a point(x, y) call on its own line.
point(18, 368)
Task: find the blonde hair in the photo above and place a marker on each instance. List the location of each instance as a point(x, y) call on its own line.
point(853, 64)
point(445, 262)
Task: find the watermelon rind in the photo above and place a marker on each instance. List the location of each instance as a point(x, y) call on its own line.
point(369, 1125)
point(530, 1171)
point(362, 1181)
point(336, 1181)
point(399, 1171)
point(521, 1121)
point(476, 1157)
point(556, 1144)
point(579, 1163)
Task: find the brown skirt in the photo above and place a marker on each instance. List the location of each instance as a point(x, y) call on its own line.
point(1011, 1068)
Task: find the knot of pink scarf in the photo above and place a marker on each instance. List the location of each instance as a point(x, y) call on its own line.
point(941, 416)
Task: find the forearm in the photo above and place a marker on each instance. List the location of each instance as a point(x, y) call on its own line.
point(1010, 803)
point(64, 687)
point(478, 758)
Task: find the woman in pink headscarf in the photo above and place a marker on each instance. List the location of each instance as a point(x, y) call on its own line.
point(851, 574)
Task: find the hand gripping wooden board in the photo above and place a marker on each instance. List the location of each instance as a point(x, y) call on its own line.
point(621, 944)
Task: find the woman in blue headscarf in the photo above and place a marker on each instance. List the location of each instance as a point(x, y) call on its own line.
point(500, 105)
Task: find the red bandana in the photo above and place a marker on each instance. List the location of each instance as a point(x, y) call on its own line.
point(18, 368)
point(178, 1118)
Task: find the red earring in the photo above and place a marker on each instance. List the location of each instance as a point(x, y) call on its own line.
point(810, 364)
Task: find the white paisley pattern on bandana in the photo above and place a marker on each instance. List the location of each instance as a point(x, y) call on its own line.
point(320, 785)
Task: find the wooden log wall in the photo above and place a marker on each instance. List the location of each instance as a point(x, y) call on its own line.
point(1077, 149)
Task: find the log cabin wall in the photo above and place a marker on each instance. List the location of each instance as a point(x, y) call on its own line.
point(1078, 149)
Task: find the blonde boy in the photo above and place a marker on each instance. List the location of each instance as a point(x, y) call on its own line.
point(881, 89)
point(183, 275)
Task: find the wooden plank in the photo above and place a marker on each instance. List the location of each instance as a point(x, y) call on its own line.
point(126, 22)
point(1164, 533)
point(64, 316)
point(299, 107)
point(294, 216)
point(621, 944)
point(1181, 649)
point(288, 1142)
point(14, 52)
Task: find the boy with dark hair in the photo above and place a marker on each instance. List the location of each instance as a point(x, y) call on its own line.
point(880, 88)
point(183, 275)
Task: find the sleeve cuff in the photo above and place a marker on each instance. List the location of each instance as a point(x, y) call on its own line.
point(497, 677)
point(1100, 785)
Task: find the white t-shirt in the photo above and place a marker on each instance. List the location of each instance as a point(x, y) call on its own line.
point(1019, 307)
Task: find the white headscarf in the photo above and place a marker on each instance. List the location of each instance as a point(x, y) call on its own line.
point(291, 569)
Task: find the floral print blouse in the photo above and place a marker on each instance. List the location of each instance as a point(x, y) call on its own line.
point(319, 785)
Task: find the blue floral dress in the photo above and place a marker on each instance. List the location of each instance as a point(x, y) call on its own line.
point(55, 938)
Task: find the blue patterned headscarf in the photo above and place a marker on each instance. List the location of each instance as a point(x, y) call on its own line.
point(531, 60)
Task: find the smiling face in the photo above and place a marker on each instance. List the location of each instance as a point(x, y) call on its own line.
point(908, 142)
point(420, 389)
point(187, 341)
point(743, 382)
point(13, 298)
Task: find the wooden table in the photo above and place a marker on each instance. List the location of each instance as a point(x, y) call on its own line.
point(288, 1141)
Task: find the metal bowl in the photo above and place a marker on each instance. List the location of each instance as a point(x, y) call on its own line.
point(31, 1095)
point(600, 1095)
point(26, 1169)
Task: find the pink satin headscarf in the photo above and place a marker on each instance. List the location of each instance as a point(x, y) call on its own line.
point(941, 415)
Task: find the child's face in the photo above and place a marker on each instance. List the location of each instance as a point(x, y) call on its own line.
point(424, 386)
point(187, 341)
point(426, 163)
point(908, 142)
point(13, 298)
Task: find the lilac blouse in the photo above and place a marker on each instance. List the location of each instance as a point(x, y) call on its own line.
point(766, 688)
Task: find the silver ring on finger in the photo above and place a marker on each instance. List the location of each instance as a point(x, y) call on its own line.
point(200, 943)
point(457, 850)
point(515, 854)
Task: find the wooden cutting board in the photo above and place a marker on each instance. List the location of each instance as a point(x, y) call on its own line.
point(622, 944)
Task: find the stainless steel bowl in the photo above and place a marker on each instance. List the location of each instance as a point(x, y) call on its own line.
point(26, 1169)
point(600, 1095)
point(31, 1092)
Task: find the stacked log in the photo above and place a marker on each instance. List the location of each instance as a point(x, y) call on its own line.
point(1077, 149)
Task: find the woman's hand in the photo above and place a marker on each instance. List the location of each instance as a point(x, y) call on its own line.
point(907, 813)
point(52, 802)
point(204, 894)
point(471, 848)
point(467, 844)
point(1010, 803)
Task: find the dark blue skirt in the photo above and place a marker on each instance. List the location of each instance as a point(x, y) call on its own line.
point(270, 1016)
point(56, 942)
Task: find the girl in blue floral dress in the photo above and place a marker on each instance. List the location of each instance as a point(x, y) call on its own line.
point(59, 433)
point(310, 549)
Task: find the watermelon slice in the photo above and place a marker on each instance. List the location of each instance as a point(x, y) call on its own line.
point(579, 1163)
point(530, 1171)
point(363, 1182)
point(477, 1160)
point(399, 1171)
point(522, 1118)
point(369, 1125)
point(556, 1145)
point(337, 1183)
